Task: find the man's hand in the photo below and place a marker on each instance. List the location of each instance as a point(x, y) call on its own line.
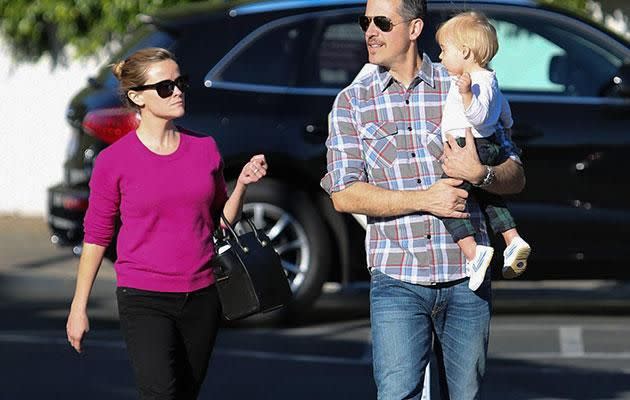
point(462, 162)
point(445, 199)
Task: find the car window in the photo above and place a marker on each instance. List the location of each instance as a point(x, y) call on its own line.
point(340, 52)
point(540, 57)
point(271, 58)
point(339, 55)
point(194, 55)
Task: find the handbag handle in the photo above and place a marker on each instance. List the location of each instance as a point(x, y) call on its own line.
point(235, 236)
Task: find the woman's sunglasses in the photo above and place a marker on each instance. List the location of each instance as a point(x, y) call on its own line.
point(383, 23)
point(165, 88)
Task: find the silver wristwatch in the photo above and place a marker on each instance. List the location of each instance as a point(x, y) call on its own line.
point(489, 178)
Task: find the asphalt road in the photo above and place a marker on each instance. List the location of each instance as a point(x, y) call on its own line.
point(568, 340)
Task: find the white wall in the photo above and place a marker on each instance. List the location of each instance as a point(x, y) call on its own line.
point(33, 130)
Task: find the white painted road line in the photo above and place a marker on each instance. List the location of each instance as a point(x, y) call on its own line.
point(571, 343)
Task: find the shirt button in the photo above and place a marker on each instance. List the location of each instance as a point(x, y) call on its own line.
point(428, 236)
point(419, 180)
point(409, 128)
point(413, 154)
point(406, 101)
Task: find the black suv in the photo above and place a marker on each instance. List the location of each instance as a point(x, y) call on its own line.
point(264, 76)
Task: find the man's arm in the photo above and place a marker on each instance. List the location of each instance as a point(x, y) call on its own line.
point(346, 180)
point(443, 199)
point(463, 163)
point(509, 178)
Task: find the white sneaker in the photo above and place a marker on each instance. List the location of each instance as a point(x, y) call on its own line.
point(515, 258)
point(477, 266)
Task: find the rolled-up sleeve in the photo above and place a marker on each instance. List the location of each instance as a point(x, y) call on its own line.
point(104, 203)
point(345, 164)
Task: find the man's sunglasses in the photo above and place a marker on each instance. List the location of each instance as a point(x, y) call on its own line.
point(383, 23)
point(165, 88)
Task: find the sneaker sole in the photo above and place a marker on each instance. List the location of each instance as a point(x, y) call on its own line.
point(513, 270)
point(475, 282)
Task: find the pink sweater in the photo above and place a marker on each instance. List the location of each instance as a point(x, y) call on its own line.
point(166, 204)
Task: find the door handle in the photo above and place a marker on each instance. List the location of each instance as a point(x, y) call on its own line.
point(316, 130)
point(525, 133)
point(588, 162)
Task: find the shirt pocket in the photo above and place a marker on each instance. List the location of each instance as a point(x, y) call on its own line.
point(379, 144)
point(432, 140)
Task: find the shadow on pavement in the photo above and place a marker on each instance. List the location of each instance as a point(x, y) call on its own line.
point(526, 380)
point(607, 297)
point(44, 262)
point(305, 364)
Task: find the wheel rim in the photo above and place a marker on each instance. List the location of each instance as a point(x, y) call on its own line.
point(287, 236)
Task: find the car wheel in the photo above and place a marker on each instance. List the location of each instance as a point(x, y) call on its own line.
point(298, 234)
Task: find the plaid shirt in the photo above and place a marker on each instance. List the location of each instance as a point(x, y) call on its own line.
point(389, 136)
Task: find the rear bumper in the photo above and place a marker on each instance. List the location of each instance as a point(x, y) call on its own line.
point(66, 210)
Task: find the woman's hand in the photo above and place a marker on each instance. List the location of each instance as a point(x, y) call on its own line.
point(76, 328)
point(254, 170)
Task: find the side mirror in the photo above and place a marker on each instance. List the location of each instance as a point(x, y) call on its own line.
point(93, 82)
point(619, 84)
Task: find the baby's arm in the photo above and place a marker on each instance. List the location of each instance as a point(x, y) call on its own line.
point(478, 105)
point(463, 84)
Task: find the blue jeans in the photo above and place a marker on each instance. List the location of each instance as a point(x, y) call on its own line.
point(406, 317)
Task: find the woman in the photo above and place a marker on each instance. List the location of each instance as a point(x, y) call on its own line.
point(167, 186)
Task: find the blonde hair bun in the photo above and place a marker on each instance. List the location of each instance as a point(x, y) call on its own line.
point(117, 69)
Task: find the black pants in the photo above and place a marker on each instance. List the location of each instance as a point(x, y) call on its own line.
point(169, 339)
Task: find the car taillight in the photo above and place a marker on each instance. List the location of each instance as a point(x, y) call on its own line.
point(110, 124)
point(75, 204)
point(70, 201)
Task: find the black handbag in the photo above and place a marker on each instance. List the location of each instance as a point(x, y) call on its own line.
point(248, 273)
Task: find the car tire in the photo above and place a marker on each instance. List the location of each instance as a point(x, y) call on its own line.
point(298, 233)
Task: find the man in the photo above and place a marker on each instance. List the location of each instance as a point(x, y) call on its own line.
point(385, 159)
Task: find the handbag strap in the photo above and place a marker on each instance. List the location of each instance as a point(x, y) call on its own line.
point(232, 232)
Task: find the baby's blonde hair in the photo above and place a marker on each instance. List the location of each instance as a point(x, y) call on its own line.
point(473, 30)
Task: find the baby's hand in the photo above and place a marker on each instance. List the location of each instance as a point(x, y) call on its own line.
point(463, 83)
